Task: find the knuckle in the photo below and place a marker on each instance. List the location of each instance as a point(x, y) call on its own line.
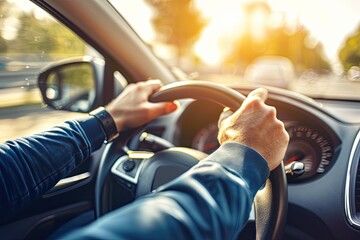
point(141, 85)
point(279, 125)
point(271, 112)
point(287, 137)
point(135, 87)
point(279, 128)
point(284, 134)
point(255, 102)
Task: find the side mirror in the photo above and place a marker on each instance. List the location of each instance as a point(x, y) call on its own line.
point(71, 84)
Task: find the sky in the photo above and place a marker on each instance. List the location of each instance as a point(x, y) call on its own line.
point(338, 19)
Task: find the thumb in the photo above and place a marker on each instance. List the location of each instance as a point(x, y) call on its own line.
point(259, 93)
point(225, 114)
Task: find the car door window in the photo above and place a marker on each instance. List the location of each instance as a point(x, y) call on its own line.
point(29, 40)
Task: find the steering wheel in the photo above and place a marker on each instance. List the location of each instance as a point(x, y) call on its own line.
point(140, 172)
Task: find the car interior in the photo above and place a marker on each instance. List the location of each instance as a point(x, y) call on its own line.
point(314, 194)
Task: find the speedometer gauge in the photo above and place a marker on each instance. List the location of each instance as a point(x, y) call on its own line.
point(310, 147)
point(307, 145)
point(206, 139)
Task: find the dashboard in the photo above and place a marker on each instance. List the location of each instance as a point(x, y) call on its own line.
point(322, 136)
point(312, 142)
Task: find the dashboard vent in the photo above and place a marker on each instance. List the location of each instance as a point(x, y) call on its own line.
point(357, 187)
point(352, 185)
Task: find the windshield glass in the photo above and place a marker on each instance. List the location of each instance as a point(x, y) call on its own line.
point(308, 46)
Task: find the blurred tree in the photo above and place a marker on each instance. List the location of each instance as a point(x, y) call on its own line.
point(279, 42)
point(349, 54)
point(4, 10)
point(304, 51)
point(3, 45)
point(44, 36)
point(295, 44)
point(177, 24)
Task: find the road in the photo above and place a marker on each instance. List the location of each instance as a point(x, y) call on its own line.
point(19, 96)
point(24, 78)
point(18, 121)
point(20, 74)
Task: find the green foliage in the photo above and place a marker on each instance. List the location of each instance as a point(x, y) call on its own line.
point(349, 54)
point(294, 43)
point(44, 36)
point(4, 10)
point(3, 45)
point(278, 41)
point(79, 75)
point(177, 23)
point(37, 34)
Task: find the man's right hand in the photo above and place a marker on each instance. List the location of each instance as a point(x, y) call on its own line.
point(255, 125)
point(132, 108)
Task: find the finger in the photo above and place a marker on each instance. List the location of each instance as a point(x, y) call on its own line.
point(226, 112)
point(153, 84)
point(172, 106)
point(259, 93)
point(145, 89)
point(158, 109)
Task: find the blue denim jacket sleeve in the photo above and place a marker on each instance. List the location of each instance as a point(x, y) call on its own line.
point(32, 165)
point(210, 201)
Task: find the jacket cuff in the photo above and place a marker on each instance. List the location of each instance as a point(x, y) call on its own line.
point(93, 131)
point(248, 163)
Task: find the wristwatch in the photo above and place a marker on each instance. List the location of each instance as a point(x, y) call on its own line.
point(107, 123)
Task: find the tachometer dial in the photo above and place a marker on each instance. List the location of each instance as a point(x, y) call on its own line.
point(310, 147)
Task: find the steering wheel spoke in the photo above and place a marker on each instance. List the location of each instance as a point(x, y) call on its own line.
point(128, 167)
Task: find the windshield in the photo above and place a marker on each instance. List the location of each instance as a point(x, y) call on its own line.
point(308, 46)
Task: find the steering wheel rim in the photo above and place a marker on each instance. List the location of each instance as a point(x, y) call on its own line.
point(270, 202)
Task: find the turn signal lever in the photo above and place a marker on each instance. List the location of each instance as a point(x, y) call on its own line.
point(295, 169)
point(155, 143)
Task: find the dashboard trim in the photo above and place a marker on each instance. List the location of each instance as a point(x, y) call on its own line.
point(279, 94)
point(349, 210)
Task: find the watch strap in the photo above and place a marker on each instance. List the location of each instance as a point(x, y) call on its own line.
point(107, 123)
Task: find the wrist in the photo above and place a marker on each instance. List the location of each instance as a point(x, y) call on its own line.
point(107, 123)
point(118, 116)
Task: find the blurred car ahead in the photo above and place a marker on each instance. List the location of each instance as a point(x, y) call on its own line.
point(353, 74)
point(274, 71)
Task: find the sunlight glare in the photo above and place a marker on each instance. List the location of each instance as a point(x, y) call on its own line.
point(221, 29)
point(9, 30)
point(327, 21)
